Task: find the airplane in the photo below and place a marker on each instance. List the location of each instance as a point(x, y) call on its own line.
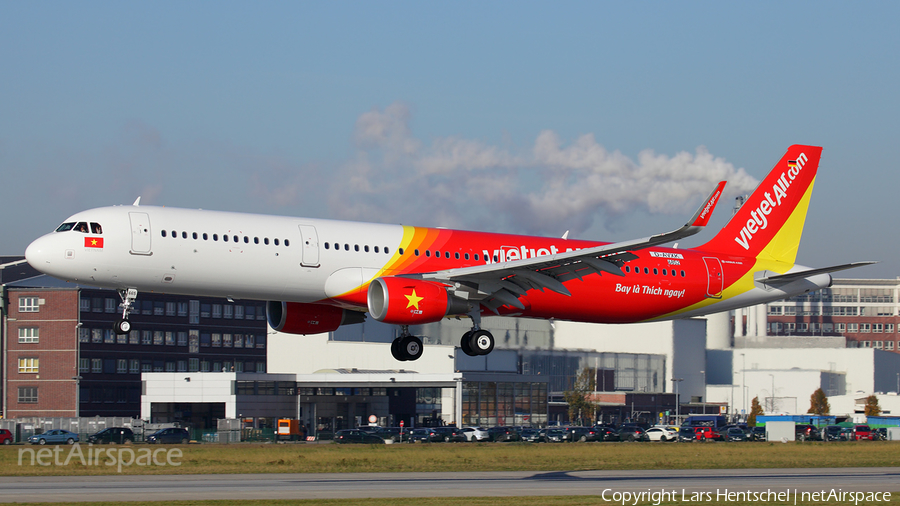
point(317, 274)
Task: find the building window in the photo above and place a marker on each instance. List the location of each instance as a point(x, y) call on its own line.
point(239, 340)
point(28, 304)
point(96, 365)
point(865, 328)
point(170, 339)
point(194, 346)
point(134, 337)
point(852, 327)
point(195, 312)
point(111, 305)
point(889, 327)
point(217, 340)
point(204, 340)
point(84, 365)
point(261, 342)
point(108, 336)
point(182, 339)
point(159, 308)
point(122, 366)
point(193, 364)
point(158, 337)
point(866, 344)
point(239, 367)
point(84, 335)
point(205, 310)
point(249, 341)
point(889, 345)
point(182, 366)
point(182, 309)
point(28, 395)
point(170, 366)
point(204, 366)
point(84, 304)
point(28, 334)
point(28, 365)
point(226, 340)
point(260, 367)
point(238, 312)
point(135, 367)
point(879, 345)
point(170, 309)
point(217, 310)
point(229, 312)
point(96, 335)
point(878, 327)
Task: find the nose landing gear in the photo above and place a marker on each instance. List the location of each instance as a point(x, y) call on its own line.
point(122, 325)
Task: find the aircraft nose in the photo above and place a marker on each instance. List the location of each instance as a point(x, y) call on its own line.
point(38, 254)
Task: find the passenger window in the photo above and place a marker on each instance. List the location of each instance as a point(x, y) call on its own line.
point(366, 248)
point(400, 251)
point(266, 242)
point(256, 240)
point(356, 247)
point(627, 269)
point(346, 246)
point(376, 249)
point(236, 239)
point(646, 270)
point(476, 257)
point(467, 256)
point(246, 240)
point(224, 238)
point(655, 271)
point(194, 235)
point(65, 227)
point(386, 250)
point(287, 242)
point(205, 237)
point(447, 255)
point(96, 228)
point(184, 235)
point(163, 232)
point(682, 273)
point(326, 245)
point(428, 253)
point(276, 244)
point(416, 252)
point(215, 237)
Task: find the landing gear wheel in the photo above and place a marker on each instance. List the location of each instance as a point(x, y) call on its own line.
point(395, 350)
point(465, 344)
point(122, 326)
point(410, 347)
point(481, 342)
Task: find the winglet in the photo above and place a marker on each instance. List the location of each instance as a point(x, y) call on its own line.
point(701, 218)
point(137, 202)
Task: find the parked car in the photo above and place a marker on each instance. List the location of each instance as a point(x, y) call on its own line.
point(346, 436)
point(395, 434)
point(112, 435)
point(169, 435)
point(530, 435)
point(834, 433)
point(758, 433)
point(806, 432)
point(476, 434)
point(449, 435)
point(553, 435)
point(708, 433)
point(863, 432)
point(606, 433)
point(6, 436)
point(662, 434)
point(421, 435)
point(580, 434)
point(737, 434)
point(55, 436)
point(629, 432)
point(498, 434)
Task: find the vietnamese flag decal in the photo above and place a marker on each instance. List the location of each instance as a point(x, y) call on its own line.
point(93, 242)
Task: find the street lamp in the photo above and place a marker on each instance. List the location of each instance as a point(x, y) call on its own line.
point(773, 394)
point(677, 400)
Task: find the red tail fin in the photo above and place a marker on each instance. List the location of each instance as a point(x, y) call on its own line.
point(770, 222)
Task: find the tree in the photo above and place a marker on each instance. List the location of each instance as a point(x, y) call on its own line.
point(578, 398)
point(872, 407)
point(755, 410)
point(818, 403)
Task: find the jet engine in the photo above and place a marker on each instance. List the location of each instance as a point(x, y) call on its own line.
point(404, 301)
point(299, 318)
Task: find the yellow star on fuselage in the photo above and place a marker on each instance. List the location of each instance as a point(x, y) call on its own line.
point(413, 300)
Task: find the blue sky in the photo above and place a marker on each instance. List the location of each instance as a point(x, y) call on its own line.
point(610, 119)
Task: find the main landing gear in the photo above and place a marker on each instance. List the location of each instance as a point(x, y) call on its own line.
point(476, 341)
point(122, 325)
point(406, 347)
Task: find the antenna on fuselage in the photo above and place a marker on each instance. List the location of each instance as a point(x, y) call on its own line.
point(137, 202)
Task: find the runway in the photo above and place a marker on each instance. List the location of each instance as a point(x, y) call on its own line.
point(682, 484)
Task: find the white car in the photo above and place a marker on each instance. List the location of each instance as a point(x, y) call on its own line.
point(476, 433)
point(661, 434)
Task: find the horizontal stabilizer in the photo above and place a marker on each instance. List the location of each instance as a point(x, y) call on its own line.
point(793, 276)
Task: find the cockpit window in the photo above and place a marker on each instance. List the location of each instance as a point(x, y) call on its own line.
point(81, 226)
point(96, 228)
point(65, 227)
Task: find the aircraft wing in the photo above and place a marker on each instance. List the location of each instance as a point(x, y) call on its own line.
point(498, 284)
point(793, 276)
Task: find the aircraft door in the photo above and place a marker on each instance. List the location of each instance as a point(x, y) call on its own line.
point(140, 233)
point(715, 278)
point(309, 240)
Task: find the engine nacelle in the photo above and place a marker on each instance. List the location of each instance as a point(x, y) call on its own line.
point(299, 318)
point(404, 301)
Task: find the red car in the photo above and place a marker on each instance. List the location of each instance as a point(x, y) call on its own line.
point(6, 437)
point(704, 433)
point(863, 432)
